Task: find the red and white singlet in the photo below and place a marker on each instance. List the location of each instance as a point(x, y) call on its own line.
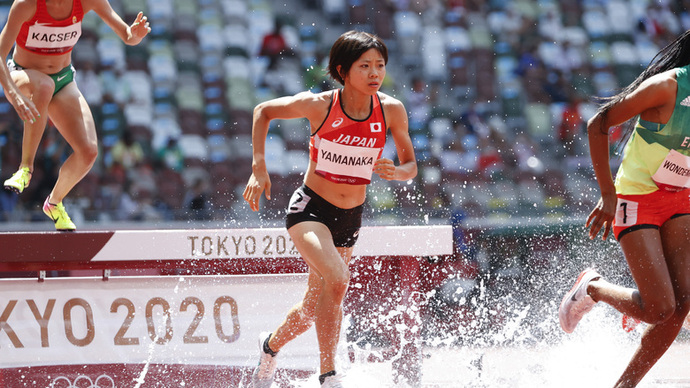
point(45, 35)
point(346, 149)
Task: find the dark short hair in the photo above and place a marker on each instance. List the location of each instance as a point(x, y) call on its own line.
point(348, 48)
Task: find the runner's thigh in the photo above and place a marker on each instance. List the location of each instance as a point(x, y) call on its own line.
point(72, 117)
point(675, 234)
point(645, 256)
point(35, 85)
point(314, 242)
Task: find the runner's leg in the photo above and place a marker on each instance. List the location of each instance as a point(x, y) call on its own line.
point(39, 87)
point(653, 301)
point(314, 241)
point(72, 117)
point(675, 234)
point(301, 317)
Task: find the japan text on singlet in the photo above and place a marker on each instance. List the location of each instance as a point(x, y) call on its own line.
point(657, 156)
point(44, 35)
point(345, 149)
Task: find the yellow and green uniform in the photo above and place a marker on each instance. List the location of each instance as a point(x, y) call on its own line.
point(650, 143)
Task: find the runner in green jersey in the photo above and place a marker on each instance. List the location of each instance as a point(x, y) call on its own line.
point(647, 206)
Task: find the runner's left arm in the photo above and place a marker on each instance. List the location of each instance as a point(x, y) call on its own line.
point(131, 35)
point(396, 116)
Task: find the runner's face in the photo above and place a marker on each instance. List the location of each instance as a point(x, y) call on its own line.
point(367, 72)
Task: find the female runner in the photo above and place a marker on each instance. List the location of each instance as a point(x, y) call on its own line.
point(39, 83)
point(647, 207)
point(348, 132)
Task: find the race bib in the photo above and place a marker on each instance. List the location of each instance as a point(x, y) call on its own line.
point(674, 172)
point(626, 212)
point(346, 164)
point(50, 39)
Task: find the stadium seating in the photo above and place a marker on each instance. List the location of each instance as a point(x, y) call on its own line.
point(516, 64)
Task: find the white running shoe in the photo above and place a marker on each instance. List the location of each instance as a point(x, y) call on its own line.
point(332, 382)
point(264, 372)
point(576, 303)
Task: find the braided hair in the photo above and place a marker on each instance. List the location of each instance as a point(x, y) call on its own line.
point(675, 54)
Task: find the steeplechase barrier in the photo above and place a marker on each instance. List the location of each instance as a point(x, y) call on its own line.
point(196, 320)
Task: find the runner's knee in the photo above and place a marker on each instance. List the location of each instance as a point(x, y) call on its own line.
point(88, 152)
point(337, 281)
point(43, 91)
point(660, 310)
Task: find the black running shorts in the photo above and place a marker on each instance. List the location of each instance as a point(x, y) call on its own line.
point(344, 224)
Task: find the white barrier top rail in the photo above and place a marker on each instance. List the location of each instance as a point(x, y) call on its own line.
point(207, 244)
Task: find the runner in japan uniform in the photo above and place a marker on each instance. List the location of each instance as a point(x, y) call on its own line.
point(344, 150)
point(47, 36)
point(653, 179)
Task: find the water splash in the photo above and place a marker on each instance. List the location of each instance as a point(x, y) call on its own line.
point(520, 353)
point(144, 371)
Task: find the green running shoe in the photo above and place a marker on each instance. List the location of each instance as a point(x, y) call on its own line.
point(19, 180)
point(59, 216)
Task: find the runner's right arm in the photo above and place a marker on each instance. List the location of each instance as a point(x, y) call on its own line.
point(653, 100)
point(20, 11)
point(301, 105)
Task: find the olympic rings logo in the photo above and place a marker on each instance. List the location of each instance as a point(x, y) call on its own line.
point(83, 382)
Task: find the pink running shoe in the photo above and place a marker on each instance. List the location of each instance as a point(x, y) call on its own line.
point(629, 323)
point(576, 303)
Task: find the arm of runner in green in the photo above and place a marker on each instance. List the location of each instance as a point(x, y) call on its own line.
point(603, 213)
point(653, 100)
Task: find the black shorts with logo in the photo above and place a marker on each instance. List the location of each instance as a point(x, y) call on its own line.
point(344, 224)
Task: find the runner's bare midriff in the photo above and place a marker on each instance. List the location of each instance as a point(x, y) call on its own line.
point(48, 64)
point(341, 195)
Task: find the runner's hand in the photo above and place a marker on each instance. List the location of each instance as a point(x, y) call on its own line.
point(140, 28)
point(602, 216)
point(24, 106)
point(257, 184)
point(385, 168)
